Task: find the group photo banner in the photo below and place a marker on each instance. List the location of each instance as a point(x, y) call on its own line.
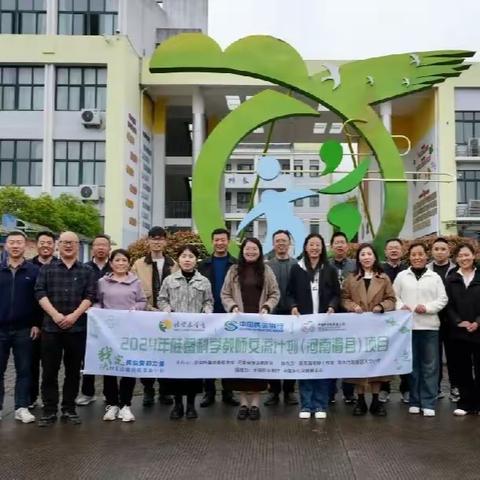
point(189, 345)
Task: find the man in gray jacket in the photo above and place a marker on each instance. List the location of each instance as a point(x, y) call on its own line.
point(281, 264)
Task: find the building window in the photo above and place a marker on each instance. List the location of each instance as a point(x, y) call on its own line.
point(298, 169)
point(285, 165)
point(298, 203)
point(467, 126)
point(79, 88)
point(243, 200)
point(245, 166)
point(21, 162)
point(314, 201)
point(21, 88)
point(87, 17)
point(314, 227)
point(79, 163)
point(315, 166)
point(22, 16)
point(468, 185)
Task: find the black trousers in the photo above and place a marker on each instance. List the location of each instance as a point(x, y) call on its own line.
point(404, 384)
point(447, 343)
point(115, 395)
point(88, 385)
point(209, 387)
point(466, 360)
point(275, 386)
point(35, 370)
point(70, 347)
point(149, 383)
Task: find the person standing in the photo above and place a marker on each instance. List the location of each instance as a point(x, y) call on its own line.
point(100, 265)
point(45, 250)
point(443, 266)
point(463, 312)
point(421, 291)
point(119, 290)
point(185, 290)
point(313, 288)
point(215, 268)
point(250, 287)
point(392, 267)
point(281, 265)
point(151, 271)
point(368, 290)
point(65, 290)
point(20, 316)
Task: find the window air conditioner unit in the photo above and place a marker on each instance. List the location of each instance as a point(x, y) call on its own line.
point(474, 147)
point(91, 118)
point(89, 192)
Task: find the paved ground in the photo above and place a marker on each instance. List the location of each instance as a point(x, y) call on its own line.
point(217, 446)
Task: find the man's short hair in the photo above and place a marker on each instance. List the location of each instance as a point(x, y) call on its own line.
point(157, 232)
point(102, 235)
point(45, 233)
point(393, 240)
point(16, 233)
point(338, 234)
point(284, 232)
point(221, 231)
point(441, 240)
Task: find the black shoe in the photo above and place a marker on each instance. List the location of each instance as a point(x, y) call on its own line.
point(349, 399)
point(148, 397)
point(254, 413)
point(378, 409)
point(177, 412)
point(273, 399)
point(71, 417)
point(207, 400)
point(360, 408)
point(47, 420)
point(165, 399)
point(242, 413)
point(229, 399)
point(290, 399)
point(191, 412)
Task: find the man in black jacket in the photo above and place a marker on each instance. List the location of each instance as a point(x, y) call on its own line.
point(19, 319)
point(215, 268)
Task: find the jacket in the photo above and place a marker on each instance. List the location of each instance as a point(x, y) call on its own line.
point(428, 290)
point(391, 271)
point(178, 295)
point(463, 304)
point(451, 268)
point(99, 272)
point(232, 295)
point(124, 295)
point(18, 307)
point(380, 292)
point(143, 269)
point(282, 270)
point(299, 289)
point(343, 268)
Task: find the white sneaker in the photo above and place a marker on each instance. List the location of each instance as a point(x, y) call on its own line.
point(459, 412)
point(320, 414)
point(23, 415)
point(304, 414)
point(428, 412)
point(126, 414)
point(83, 400)
point(111, 413)
point(383, 396)
point(406, 397)
point(414, 410)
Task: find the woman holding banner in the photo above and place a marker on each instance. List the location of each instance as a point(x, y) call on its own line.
point(313, 288)
point(421, 291)
point(368, 290)
point(187, 291)
point(120, 290)
point(250, 287)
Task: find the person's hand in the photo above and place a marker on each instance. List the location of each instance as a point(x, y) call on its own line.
point(131, 309)
point(464, 324)
point(330, 310)
point(68, 321)
point(34, 333)
point(235, 310)
point(420, 309)
point(472, 327)
point(295, 311)
point(358, 309)
point(377, 309)
point(406, 307)
point(264, 311)
point(58, 318)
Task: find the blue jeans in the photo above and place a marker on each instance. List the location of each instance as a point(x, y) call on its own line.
point(426, 364)
point(20, 342)
point(314, 395)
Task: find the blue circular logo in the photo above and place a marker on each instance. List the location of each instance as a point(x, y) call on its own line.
point(231, 325)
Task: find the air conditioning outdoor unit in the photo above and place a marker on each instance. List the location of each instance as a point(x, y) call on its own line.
point(91, 118)
point(89, 192)
point(474, 147)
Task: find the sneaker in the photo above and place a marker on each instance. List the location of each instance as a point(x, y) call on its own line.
point(126, 415)
point(148, 397)
point(454, 395)
point(177, 412)
point(1, 412)
point(440, 395)
point(428, 412)
point(349, 400)
point(383, 396)
point(34, 404)
point(111, 413)
point(360, 408)
point(23, 415)
point(304, 414)
point(459, 412)
point(377, 408)
point(320, 414)
point(243, 412)
point(84, 400)
point(207, 400)
point(71, 417)
point(290, 399)
point(191, 412)
point(273, 399)
point(414, 410)
point(406, 397)
point(47, 420)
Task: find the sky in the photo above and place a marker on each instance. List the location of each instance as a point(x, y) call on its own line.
point(351, 29)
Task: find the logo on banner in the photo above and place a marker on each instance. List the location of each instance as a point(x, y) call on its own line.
point(231, 325)
point(165, 325)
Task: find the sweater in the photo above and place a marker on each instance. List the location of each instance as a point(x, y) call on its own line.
point(281, 270)
point(124, 295)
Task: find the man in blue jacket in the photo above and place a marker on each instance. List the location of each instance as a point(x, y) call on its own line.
point(20, 316)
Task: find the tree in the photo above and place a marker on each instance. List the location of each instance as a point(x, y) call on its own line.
point(77, 216)
point(44, 211)
point(14, 201)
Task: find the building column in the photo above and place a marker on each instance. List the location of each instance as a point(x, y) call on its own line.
point(159, 161)
point(51, 23)
point(198, 129)
point(48, 117)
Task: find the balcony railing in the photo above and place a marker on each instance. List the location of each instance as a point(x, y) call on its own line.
point(178, 209)
point(470, 209)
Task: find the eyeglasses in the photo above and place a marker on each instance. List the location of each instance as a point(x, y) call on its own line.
point(68, 242)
